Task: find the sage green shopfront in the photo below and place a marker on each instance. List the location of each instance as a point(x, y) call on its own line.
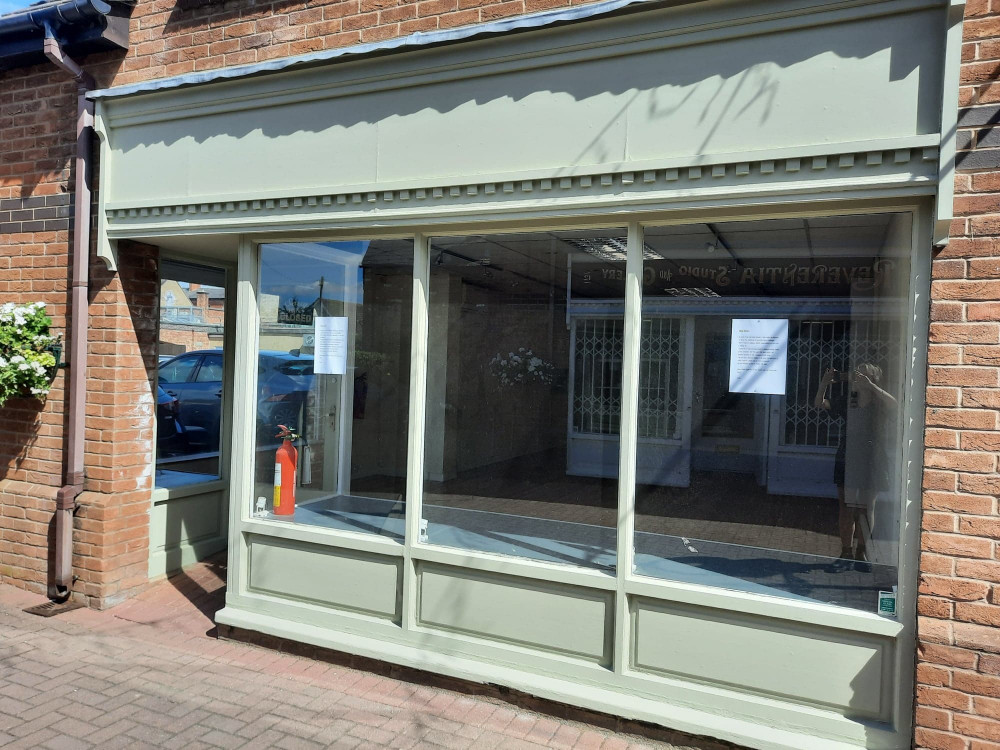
point(609, 328)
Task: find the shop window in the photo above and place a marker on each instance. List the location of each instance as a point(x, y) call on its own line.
point(189, 405)
point(769, 426)
point(524, 394)
point(334, 370)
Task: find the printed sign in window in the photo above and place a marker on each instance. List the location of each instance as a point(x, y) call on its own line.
point(331, 346)
point(758, 356)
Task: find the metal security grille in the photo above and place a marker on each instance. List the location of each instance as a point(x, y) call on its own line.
point(815, 346)
point(597, 378)
point(659, 377)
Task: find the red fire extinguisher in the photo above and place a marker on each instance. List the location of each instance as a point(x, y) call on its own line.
point(285, 461)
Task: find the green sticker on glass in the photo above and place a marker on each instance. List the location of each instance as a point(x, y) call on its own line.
point(887, 603)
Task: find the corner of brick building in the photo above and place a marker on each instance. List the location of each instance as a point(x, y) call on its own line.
point(958, 655)
point(110, 552)
point(111, 545)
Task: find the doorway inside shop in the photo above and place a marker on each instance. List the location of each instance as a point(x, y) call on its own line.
point(728, 429)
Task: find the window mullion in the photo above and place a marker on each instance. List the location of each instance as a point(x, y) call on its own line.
point(418, 410)
point(628, 440)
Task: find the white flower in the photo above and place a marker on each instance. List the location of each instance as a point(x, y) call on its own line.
point(16, 358)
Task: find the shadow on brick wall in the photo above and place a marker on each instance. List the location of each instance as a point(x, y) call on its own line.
point(191, 14)
point(134, 288)
point(20, 420)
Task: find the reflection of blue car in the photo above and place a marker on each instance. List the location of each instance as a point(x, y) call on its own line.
point(283, 383)
point(195, 380)
point(171, 437)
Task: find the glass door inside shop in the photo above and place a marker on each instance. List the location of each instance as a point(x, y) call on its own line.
point(728, 429)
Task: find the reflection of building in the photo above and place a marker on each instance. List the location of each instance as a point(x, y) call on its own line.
point(191, 316)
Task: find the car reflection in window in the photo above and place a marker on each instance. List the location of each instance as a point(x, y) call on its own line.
point(194, 383)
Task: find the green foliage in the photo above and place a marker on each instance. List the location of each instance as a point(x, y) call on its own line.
point(26, 364)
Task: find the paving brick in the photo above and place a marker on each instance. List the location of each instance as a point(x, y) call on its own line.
point(111, 683)
point(378, 737)
point(522, 725)
point(289, 742)
point(36, 738)
point(515, 743)
point(119, 728)
point(263, 741)
point(64, 742)
point(218, 738)
point(565, 737)
point(224, 723)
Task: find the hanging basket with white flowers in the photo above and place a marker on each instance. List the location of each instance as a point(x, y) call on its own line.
point(27, 362)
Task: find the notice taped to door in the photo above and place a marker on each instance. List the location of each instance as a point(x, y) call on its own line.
point(758, 356)
point(330, 350)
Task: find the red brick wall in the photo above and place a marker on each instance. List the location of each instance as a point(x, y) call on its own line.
point(37, 119)
point(170, 37)
point(34, 230)
point(111, 550)
point(958, 659)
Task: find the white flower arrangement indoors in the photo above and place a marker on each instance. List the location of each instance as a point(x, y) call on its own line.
point(522, 366)
point(26, 359)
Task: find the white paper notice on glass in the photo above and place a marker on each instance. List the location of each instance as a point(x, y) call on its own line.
point(330, 351)
point(758, 356)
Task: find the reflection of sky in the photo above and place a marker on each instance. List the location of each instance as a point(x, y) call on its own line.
point(295, 269)
point(8, 6)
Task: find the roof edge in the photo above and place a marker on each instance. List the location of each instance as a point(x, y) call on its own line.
point(84, 25)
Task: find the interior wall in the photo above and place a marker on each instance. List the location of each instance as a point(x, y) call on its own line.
point(500, 422)
point(382, 376)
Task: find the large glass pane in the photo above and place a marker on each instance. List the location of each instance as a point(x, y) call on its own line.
point(769, 424)
point(334, 368)
point(524, 394)
point(190, 378)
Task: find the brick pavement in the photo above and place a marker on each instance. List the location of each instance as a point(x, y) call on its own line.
point(151, 673)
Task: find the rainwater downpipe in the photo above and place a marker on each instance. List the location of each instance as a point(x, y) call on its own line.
point(79, 322)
